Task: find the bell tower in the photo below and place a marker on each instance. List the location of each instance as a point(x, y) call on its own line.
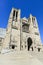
point(12, 27)
point(15, 30)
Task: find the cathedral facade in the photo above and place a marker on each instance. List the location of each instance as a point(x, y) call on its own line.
point(22, 33)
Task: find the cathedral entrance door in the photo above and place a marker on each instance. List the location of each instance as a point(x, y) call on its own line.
point(29, 43)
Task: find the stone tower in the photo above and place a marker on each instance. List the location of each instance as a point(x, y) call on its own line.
point(22, 33)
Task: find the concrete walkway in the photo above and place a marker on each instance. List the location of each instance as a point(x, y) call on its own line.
point(18, 58)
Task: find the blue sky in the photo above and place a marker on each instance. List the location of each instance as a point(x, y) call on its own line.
point(35, 7)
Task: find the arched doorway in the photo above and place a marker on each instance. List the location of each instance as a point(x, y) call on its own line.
point(13, 46)
point(29, 43)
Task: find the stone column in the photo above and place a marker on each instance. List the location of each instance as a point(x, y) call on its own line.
point(20, 33)
point(31, 30)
